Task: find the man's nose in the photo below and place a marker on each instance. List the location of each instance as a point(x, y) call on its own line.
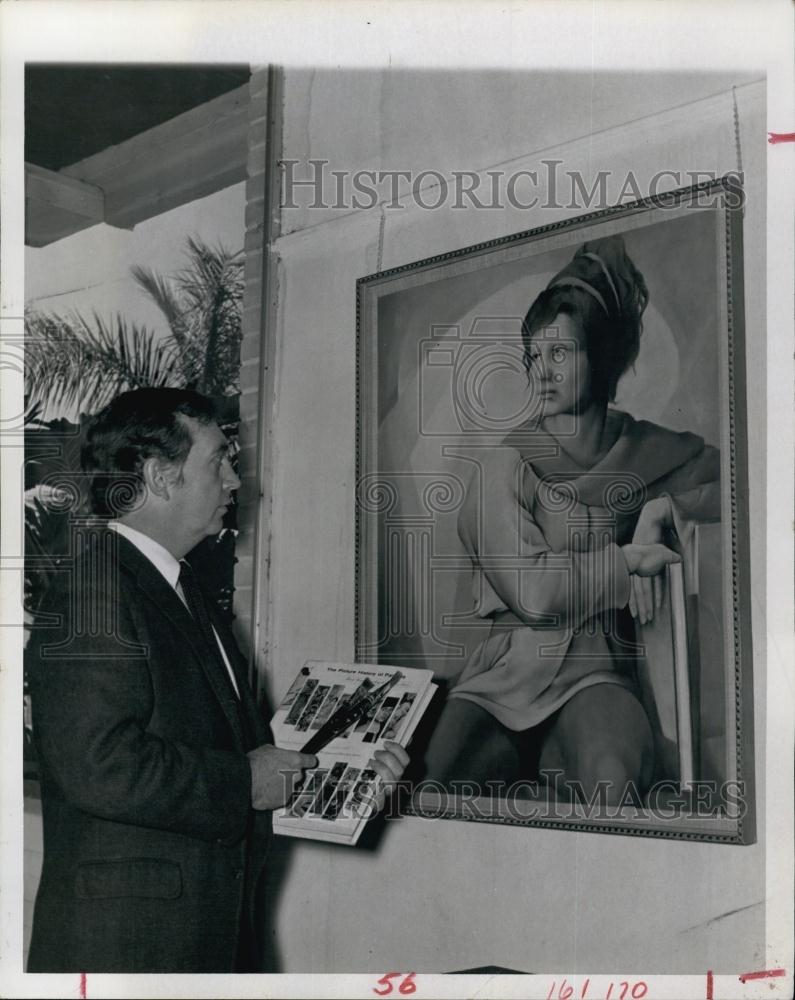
point(231, 479)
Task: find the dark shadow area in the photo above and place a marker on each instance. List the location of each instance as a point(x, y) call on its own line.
point(72, 112)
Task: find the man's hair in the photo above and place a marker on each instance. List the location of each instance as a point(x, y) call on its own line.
point(136, 426)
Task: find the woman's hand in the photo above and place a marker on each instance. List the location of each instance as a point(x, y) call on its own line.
point(655, 520)
point(644, 561)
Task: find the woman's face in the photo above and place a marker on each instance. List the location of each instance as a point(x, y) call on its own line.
point(560, 373)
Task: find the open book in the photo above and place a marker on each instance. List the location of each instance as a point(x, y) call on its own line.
point(334, 802)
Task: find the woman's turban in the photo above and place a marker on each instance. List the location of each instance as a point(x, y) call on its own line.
point(603, 270)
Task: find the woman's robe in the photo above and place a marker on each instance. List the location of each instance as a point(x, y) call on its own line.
point(545, 534)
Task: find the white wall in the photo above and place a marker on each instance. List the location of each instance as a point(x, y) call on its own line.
point(442, 895)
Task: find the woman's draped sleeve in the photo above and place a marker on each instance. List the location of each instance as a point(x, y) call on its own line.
point(694, 491)
point(517, 569)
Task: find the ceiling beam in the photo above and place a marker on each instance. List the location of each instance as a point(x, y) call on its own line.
point(56, 205)
point(188, 157)
point(195, 154)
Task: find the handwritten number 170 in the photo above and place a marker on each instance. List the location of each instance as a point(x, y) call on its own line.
point(407, 985)
point(615, 991)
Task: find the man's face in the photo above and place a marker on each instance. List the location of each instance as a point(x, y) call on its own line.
point(199, 500)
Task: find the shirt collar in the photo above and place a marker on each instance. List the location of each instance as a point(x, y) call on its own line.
point(163, 561)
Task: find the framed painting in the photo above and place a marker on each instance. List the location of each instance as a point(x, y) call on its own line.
point(552, 516)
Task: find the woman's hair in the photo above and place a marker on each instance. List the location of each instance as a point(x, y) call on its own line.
point(603, 290)
point(135, 426)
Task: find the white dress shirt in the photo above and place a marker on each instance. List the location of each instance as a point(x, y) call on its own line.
point(168, 567)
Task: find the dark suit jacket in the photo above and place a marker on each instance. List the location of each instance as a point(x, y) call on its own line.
point(151, 848)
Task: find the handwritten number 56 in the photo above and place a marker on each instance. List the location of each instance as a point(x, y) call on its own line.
point(407, 985)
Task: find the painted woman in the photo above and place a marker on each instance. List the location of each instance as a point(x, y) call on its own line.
point(570, 525)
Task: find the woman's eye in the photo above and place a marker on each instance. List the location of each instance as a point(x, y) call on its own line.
point(558, 355)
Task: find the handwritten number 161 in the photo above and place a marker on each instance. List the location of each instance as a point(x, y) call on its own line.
point(625, 990)
point(407, 986)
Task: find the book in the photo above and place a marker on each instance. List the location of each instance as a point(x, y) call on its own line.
point(375, 703)
point(669, 672)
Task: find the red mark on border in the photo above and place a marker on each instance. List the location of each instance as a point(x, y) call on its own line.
point(766, 974)
point(83, 990)
point(776, 137)
point(710, 984)
point(407, 984)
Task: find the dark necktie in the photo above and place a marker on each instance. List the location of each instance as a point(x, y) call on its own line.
point(197, 606)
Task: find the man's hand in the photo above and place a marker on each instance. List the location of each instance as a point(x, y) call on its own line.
point(275, 773)
point(389, 764)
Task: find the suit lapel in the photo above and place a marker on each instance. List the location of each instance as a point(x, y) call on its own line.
point(166, 601)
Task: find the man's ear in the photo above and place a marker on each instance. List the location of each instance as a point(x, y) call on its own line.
point(158, 477)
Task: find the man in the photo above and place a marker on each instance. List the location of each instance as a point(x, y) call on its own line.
point(157, 775)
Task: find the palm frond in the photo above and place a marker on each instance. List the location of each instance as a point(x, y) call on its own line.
point(46, 537)
point(74, 362)
point(165, 297)
point(34, 414)
point(209, 267)
point(211, 289)
point(71, 362)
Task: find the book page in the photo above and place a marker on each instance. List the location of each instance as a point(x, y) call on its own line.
point(322, 688)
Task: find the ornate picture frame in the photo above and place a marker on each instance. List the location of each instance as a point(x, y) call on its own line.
point(442, 382)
